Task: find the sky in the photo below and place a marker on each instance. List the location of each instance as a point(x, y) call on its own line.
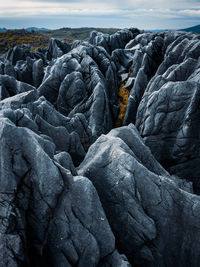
point(143, 14)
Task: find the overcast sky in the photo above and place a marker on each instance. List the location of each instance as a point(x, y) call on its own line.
point(144, 14)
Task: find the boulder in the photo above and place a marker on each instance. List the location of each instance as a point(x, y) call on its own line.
point(152, 218)
point(48, 217)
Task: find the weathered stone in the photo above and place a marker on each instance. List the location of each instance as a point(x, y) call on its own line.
point(149, 213)
point(139, 198)
point(63, 215)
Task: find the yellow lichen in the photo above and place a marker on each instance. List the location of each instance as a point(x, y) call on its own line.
point(122, 104)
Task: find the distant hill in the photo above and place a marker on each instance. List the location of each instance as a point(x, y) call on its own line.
point(26, 29)
point(76, 33)
point(154, 30)
point(36, 29)
point(65, 33)
point(3, 29)
point(195, 29)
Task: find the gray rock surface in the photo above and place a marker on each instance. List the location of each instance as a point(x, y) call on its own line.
point(173, 117)
point(152, 218)
point(150, 57)
point(114, 41)
point(13, 87)
point(18, 53)
point(57, 48)
point(75, 191)
point(84, 81)
point(63, 215)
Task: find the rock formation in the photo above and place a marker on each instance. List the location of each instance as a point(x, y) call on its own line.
point(76, 190)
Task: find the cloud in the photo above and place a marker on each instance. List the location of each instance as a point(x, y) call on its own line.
point(190, 12)
point(126, 12)
point(42, 8)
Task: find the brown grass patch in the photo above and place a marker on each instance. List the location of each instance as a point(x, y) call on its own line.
point(122, 104)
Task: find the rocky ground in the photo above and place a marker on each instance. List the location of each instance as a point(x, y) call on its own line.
point(100, 152)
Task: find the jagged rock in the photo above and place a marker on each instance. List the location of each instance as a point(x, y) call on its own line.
point(62, 213)
point(13, 87)
point(123, 60)
point(70, 135)
point(24, 73)
point(130, 83)
point(2, 67)
point(64, 159)
point(141, 180)
point(57, 48)
point(46, 114)
point(3, 92)
point(152, 57)
point(71, 92)
point(23, 118)
point(168, 121)
point(182, 48)
point(38, 72)
point(76, 84)
point(59, 135)
point(135, 97)
point(24, 65)
point(62, 139)
point(123, 78)
point(19, 100)
point(114, 41)
point(9, 69)
point(151, 217)
point(18, 53)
